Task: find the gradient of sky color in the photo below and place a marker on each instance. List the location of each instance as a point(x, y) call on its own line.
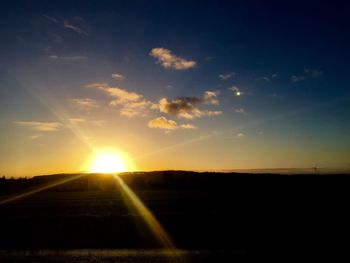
point(174, 85)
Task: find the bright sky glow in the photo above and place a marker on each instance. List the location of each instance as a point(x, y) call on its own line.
point(234, 85)
point(108, 163)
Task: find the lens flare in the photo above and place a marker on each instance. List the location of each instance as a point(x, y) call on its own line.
point(108, 161)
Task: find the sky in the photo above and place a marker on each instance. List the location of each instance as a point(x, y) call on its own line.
point(182, 85)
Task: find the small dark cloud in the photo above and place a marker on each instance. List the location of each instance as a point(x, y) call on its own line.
point(186, 107)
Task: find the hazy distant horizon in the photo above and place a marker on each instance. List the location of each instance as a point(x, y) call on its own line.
point(310, 170)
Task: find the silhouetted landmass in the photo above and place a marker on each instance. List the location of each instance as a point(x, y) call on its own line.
point(249, 213)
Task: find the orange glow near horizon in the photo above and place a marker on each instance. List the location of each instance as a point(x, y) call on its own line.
point(109, 161)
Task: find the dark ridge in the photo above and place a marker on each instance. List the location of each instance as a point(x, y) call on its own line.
point(295, 214)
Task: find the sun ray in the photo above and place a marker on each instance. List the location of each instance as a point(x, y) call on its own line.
point(150, 220)
point(40, 189)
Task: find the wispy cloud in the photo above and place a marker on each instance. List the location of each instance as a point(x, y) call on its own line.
point(85, 103)
point(236, 91)
point(188, 126)
point(40, 126)
point(168, 60)
point(81, 121)
point(295, 78)
point(34, 136)
point(186, 107)
point(268, 78)
point(75, 24)
point(240, 135)
point(164, 123)
point(308, 73)
point(69, 25)
point(228, 75)
point(131, 103)
point(56, 38)
point(67, 57)
point(314, 73)
point(240, 110)
point(118, 76)
point(51, 19)
point(77, 120)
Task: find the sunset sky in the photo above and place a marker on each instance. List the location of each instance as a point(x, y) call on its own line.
point(174, 85)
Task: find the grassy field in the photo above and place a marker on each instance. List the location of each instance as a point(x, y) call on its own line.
point(269, 215)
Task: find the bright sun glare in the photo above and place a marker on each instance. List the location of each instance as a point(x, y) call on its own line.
point(108, 163)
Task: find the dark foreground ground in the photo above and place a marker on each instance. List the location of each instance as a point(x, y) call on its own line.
point(210, 218)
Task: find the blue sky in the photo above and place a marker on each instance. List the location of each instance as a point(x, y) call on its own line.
point(181, 85)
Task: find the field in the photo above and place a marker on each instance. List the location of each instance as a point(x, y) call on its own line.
point(207, 216)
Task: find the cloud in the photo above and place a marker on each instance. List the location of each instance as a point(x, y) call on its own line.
point(86, 103)
point(188, 126)
point(131, 103)
point(56, 38)
point(236, 91)
point(240, 135)
point(314, 73)
point(169, 87)
point(164, 123)
point(118, 76)
point(227, 75)
point(168, 60)
point(77, 120)
point(35, 136)
point(69, 25)
point(295, 78)
point(136, 108)
point(268, 78)
point(185, 107)
point(265, 78)
point(240, 110)
point(210, 97)
point(308, 73)
point(52, 19)
point(67, 57)
point(209, 58)
point(40, 126)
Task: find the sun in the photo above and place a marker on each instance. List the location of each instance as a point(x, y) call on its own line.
point(108, 163)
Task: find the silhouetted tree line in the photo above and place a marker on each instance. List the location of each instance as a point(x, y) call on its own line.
point(166, 180)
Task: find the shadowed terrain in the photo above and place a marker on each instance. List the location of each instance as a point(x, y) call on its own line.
point(226, 213)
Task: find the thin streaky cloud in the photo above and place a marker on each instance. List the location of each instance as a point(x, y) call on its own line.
point(308, 73)
point(77, 120)
point(85, 103)
point(295, 78)
point(67, 24)
point(228, 75)
point(118, 76)
point(52, 19)
point(56, 57)
point(240, 135)
point(240, 110)
point(188, 126)
point(35, 136)
point(40, 126)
